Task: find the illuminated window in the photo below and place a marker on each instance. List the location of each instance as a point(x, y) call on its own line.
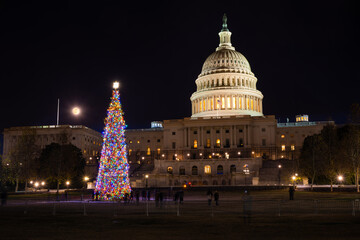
point(239, 102)
point(195, 143)
point(158, 151)
point(218, 143)
point(148, 152)
point(247, 104)
point(282, 147)
point(212, 104)
point(130, 141)
point(130, 150)
point(292, 147)
point(218, 103)
point(233, 103)
point(170, 170)
point(228, 102)
point(207, 169)
point(223, 103)
point(200, 105)
point(208, 142)
point(204, 105)
point(282, 136)
point(252, 104)
point(138, 141)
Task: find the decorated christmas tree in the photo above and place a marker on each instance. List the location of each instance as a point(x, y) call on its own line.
point(113, 179)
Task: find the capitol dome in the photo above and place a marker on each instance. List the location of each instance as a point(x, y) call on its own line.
point(226, 60)
point(226, 85)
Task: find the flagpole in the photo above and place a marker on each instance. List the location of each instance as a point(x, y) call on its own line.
point(57, 116)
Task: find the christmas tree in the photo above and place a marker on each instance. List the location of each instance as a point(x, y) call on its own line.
point(113, 179)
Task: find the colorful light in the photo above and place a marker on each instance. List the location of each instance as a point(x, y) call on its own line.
point(113, 179)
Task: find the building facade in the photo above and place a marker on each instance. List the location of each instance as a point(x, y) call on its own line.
point(227, 137)
point(86, 139)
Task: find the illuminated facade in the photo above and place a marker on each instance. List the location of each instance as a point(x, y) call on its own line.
point(227, 137)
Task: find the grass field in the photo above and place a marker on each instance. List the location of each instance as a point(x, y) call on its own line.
point(329, 217)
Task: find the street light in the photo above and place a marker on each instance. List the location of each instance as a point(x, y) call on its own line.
point(67, 184)
point(340, 179)
point(85, 180)
point(279, 167)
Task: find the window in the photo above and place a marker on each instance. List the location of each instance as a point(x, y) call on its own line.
point(227, 142)
point(148, 151)
point(208, 131)
point(170, 170)
point(138, 141)
point(218, 143)
point(195, 132)
point(195, 143)
point(148, 140)
point(292, 147)
point(158, 140)
point(240, 130)
point(263, 129)
point(263, 142)
point(228, 102)
point(227, 131)
point(207, 169)
point(282, 136)
point(130, 150)
point(282, 147)
point(241, 142)
point(194, 170)
point(217, 131)
point(232, 169)
point(158, 151)
point(130, 141)
point(181, 170)
point(173, 145)
point(220, 170)
point(208, 142)
point(173, 133)
point(223, 103)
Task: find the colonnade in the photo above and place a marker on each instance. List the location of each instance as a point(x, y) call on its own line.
point(227, 102)
point(230, 81)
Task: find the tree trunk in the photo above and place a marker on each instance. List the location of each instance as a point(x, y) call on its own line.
point(312, 181)
point(331, 185)
point(26, 186)
point(17, 185)
point(357, 179)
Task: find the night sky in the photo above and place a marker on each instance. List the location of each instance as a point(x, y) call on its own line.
point(304, 54)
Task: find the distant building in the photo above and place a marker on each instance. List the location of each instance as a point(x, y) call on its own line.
point(226, 139)
point(86, 139)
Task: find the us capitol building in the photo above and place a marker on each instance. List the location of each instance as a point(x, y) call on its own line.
point(227, 140)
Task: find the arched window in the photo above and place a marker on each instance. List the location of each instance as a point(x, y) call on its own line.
point(194, 170)
point(220, 170)
point(218, 143)
point(195, 143)
point(148, 152)
point(207, 169)
point(170, 170)
point(232, 169)
point(158, 151)
point(181, 170)
point(130, 150)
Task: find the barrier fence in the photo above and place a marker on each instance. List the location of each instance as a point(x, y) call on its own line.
point(245, 207)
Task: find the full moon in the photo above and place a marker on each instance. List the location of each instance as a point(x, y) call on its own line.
point(76, 111)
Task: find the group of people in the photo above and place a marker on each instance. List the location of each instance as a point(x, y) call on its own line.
point(210, 197)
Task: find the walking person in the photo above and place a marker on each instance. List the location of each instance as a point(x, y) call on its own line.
point(291, 193)
point(247, 207)
point(216, 198)
point(209, 195)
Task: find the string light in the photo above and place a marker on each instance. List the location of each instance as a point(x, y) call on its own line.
point(113, 178)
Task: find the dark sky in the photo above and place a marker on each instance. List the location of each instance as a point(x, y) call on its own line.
point(304, 54)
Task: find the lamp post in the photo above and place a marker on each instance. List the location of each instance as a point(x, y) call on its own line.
point(340, 179)
point(147, 202)
point(67, 185)
point(85, 182)
point(279, 167)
